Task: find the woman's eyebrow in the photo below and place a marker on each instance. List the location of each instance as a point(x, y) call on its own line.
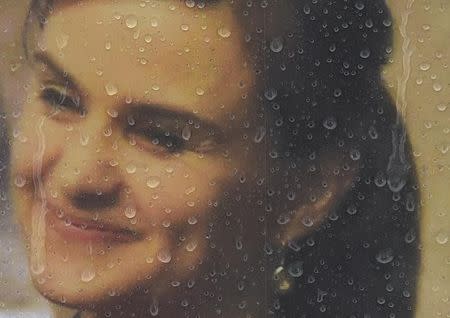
point(56, 70)
point(144, 111)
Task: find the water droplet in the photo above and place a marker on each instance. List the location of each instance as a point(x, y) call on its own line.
point(108, 45)
point(224, 32)
point(424, 66)
point(260, 134)
point(131, 21)
point(365, 53)
point(191, 246)
point(270, 94)
point(38, 268)
point(87, 275)
point(186, 133)
point(190, 3)
point(112, 113)
point(437, 87)
point(19, 181)
point(330, 123)
point(164, 256)
point(190, 190)
point(111, 89)
point(276, 45)
point(153, 182)
point(385, 256)
point(131, 168)
point(200, 91)
point(84, 139)
point(184, 27)
point(154, 22)
point(295, 269)
point(62, 40)
point(148, 38)
point(442, 238)
point(130, 212)
point(192, 220)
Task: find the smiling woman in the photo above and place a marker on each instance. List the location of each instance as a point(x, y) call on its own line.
point(230, 159)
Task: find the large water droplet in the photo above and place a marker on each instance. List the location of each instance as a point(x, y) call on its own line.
point(131, 21)
point(164, 256)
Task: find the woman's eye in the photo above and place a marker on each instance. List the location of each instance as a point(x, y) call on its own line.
point(59, 99)
point(171, 142)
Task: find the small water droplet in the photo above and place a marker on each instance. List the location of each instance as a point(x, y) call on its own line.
point(424, 66)
point(295, 269)
point(184, 27)
point(276, 45)
point(365, 53)
point(108, 45)
point(190, 3)
point(154, 22)
point(153, 182)
point(87, 275)
point(19, 181)
point(224, 32)
point(437, 87)
point(200, 91)
point(186, 133)
point(330, 123)
point(148, 38)
point(192, 220)
point(191, 246)
point(130, 212)
point(112, 113)
point(190, 190)
point(260, 134)
point(270, 94)
point(111, 89)
point(442, 238)
point(131, 168)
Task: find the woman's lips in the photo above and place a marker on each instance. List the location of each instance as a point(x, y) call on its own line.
point(72, 228)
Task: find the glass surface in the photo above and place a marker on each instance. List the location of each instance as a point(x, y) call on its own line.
point(166, 158)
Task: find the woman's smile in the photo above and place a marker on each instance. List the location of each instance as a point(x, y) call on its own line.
point(73, 228)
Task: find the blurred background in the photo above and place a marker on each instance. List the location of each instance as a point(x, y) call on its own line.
point(418, 78)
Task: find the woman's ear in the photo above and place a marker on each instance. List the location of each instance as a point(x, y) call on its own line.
point(324, 194)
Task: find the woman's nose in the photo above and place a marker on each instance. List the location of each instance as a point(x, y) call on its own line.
point(87, 198)
point(92, 173)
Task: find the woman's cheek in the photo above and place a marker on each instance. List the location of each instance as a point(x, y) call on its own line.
point(176, 192)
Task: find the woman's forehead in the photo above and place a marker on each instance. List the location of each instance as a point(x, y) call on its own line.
point(168, 52)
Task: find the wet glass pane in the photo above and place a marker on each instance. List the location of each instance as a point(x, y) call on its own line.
point(223, 158)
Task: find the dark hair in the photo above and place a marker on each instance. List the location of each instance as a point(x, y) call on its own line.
point(324, 93)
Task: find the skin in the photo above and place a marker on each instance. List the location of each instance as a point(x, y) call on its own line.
point(186, 74)
point(93, 161)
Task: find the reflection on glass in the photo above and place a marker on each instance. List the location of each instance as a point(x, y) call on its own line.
point(233, 159)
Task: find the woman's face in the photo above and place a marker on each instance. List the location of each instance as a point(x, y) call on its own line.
point(134, 128)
